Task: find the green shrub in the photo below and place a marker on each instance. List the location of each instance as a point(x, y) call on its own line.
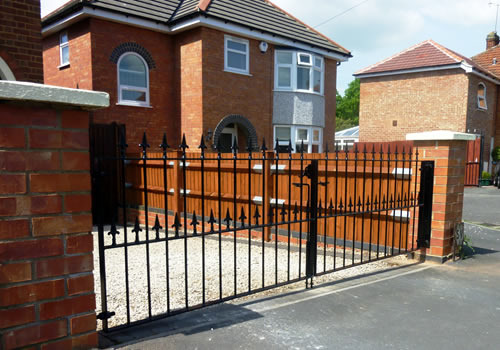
point(485, 175)
point(495, 154)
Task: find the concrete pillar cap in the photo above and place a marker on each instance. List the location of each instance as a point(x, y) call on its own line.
point(440, 135)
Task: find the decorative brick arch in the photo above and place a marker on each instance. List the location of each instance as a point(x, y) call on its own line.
point(132, 47)
point(245, 126)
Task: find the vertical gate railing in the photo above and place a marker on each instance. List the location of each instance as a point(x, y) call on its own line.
point(230, 225)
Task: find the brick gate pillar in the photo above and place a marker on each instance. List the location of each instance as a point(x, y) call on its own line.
point(47, 295)
point(448, 150)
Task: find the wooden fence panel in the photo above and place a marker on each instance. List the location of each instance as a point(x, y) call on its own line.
point(358, 186)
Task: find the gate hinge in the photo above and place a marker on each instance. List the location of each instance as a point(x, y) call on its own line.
point(105, 315)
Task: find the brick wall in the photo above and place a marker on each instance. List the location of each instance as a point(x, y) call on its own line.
point(20, 38)
point(46, 262)
point(90, 67)
point(79, 72)
point(330, 101)
point(418, 102)
point(448, 196)
point(252, 99)
point(189, 90)
point(189, 85)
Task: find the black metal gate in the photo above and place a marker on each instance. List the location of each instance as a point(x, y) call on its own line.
point(191, 229)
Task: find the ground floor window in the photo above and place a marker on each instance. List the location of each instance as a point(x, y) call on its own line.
point(310, 137)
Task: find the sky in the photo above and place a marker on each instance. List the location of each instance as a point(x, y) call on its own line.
point(377, 29)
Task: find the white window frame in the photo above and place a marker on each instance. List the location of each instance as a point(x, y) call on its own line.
point(284, 65)
point(481, 98)
point(294, 129)
point(321, 70)
point(296, 63)
point(5, 72)
point(246, 52)
point(121, 87)
point(63, 45)
point(299, 61)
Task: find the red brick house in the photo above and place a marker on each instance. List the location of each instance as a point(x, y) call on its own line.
point(227, 69)
point(429, 87)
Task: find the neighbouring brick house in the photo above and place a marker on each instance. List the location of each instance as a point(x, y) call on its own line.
point(20, 41)
point(243, 69)
point(429, 87)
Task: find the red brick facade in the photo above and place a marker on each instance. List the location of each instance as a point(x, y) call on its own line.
point(190, 92)
point(46, 263)
point(20, 39)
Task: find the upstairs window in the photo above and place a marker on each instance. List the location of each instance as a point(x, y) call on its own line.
point(133, 80)
point(63, 49)
point(299, 71)
point(481, 96)
point(284, 67)
point(236, 55)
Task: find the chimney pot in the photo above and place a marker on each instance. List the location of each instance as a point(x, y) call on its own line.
point(492, 40)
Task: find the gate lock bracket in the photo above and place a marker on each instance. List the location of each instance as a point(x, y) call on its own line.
point(105, 315)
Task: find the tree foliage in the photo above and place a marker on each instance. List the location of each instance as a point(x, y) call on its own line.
point(348, 107)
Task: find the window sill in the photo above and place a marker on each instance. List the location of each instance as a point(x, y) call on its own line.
point(482, 109)
point(63, 66)
point(133, 105)
point(300, 91)
point(236, 72)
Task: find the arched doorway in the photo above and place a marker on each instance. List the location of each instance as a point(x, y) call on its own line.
point(233, 128)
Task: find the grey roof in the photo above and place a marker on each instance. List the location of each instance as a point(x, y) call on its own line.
point(351, 132)
point(256, 14)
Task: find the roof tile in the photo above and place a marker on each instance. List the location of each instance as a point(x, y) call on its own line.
point(256, 14)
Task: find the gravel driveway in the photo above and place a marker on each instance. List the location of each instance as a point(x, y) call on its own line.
point(137, 272)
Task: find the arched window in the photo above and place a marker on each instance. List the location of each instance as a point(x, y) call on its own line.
point(481, 96)
point(5, 72)
point(133, 80)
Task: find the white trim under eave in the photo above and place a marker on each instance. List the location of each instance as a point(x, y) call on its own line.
point(467, 68)
point(412, 70)
point(254, 34)
point(184, 25)
point(470, 70)
point(102, 14)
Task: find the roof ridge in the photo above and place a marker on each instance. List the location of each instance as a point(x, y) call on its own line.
point(453, 55)
point(307, 26)
point(203, 4)
point(392, 57)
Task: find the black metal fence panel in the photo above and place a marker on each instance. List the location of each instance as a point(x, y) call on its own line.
point(256, 221)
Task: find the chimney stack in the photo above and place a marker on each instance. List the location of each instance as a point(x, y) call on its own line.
point(492, 40)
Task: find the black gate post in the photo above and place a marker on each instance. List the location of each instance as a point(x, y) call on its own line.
point(425, 204)
point(312, 236)
point(98, 183)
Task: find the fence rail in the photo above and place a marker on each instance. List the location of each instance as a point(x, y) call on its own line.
point(296, 216)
